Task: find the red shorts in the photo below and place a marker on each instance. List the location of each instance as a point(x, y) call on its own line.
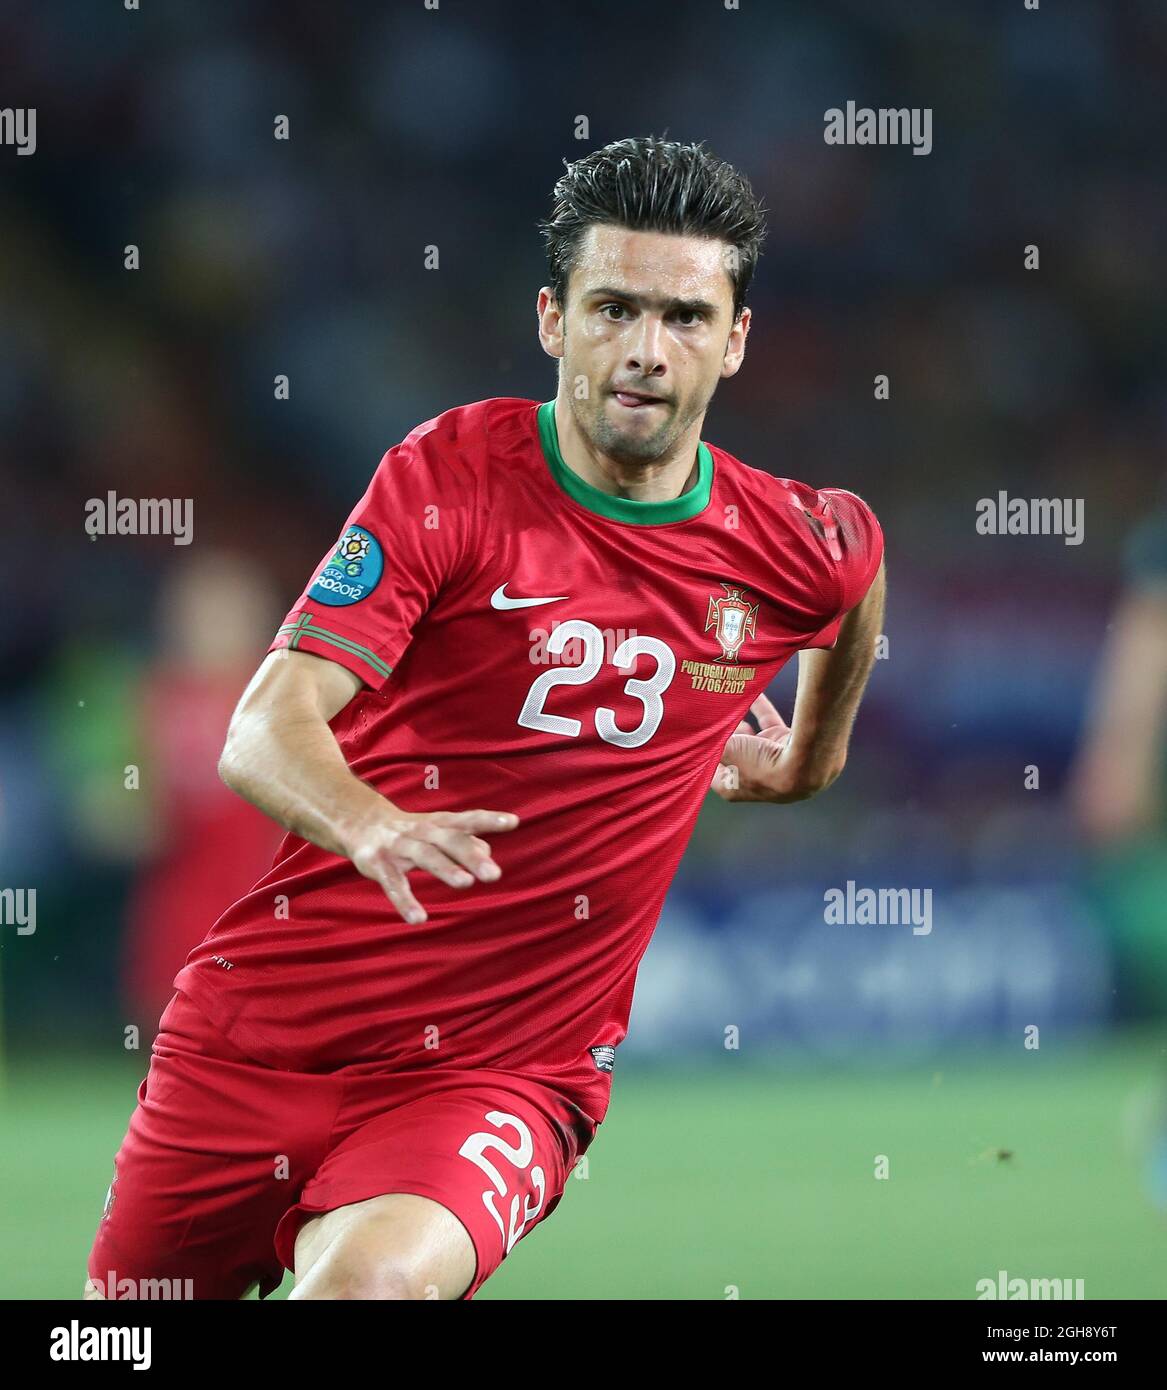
point(225, 1158)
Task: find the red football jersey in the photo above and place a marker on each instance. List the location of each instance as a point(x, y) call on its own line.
point(531, 644)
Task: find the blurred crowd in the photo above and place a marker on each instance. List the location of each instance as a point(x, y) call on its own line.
point(304, 257)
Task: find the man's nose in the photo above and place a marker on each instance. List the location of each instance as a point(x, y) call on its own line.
point(646, 350)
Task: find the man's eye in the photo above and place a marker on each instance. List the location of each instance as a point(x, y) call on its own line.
point(618, 307)
point(693, 314)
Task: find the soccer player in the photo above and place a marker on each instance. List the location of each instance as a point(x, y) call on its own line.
point(488, 725)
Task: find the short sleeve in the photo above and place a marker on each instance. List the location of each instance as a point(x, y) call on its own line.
point(401, 542)
point(855, 544)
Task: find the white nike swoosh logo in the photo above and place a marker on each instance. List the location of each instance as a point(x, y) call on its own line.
point(499, 600)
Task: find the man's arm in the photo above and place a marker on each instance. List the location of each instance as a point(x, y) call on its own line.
point(792, 762)
point(1114, 788)
point(281, 756)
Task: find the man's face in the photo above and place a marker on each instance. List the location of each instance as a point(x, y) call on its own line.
point(648, 315)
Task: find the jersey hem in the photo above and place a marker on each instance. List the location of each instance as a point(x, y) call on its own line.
point(266, 1054)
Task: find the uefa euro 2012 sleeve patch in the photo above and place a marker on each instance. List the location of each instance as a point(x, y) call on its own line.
point(353, 571)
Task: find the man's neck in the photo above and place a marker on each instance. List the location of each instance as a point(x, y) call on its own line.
point(660, 481)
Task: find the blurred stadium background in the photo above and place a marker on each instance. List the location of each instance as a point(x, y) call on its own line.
point(748, 1168)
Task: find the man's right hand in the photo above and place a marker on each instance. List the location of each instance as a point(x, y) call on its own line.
point(443, 843)
point(281, 756)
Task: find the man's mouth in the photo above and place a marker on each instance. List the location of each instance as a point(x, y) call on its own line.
point(636, 400)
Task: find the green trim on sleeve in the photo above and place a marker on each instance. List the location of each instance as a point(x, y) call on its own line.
point(306, 626)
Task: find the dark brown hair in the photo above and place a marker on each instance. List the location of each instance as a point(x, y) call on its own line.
point(653, 185)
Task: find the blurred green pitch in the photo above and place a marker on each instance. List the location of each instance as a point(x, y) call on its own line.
point(732, 1175)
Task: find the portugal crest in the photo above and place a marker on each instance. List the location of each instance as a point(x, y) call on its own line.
point(733, 619)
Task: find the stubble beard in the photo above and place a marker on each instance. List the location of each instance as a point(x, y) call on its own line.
point(626, 447)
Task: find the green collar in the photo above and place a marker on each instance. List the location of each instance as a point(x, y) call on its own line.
point(623, 508)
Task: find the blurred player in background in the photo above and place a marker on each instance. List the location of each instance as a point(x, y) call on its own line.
point(209, 846)
point(1117, 782)
point(1117, 795)
point(543, 625)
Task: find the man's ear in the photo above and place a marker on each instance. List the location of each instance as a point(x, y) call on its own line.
point(550, 338)
point(734, 356)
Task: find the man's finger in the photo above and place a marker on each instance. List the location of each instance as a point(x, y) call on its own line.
point(433, 860)
point(397, 890)
point(469, 851)
point(723, 783)
point(767, 716)
point(479, 822)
